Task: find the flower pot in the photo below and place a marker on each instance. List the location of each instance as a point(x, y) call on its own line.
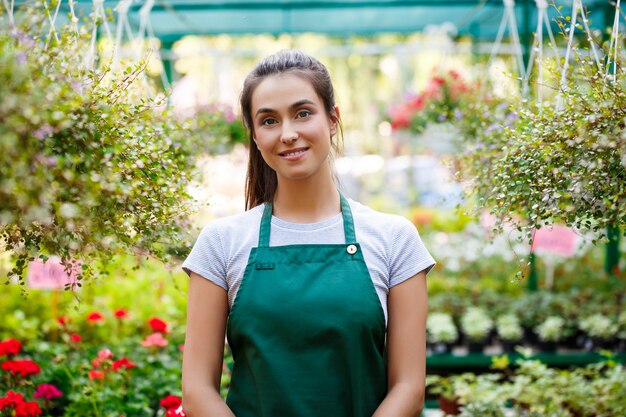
point(508, 346)
point(530, 336)
point(547, 346)
point(450, 406)
point(474, 346)
point(441, 348)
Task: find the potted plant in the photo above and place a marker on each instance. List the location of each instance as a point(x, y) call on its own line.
point(509, 331)
point(550, 331)
point(443, 388)
point(480, 409)
point(599, 330)
point(476, 325)
point(441, 332)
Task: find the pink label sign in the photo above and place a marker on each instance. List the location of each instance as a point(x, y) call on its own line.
point(50, 275)
point(556, 240)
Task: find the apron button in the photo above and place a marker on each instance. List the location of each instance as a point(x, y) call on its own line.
point(351, 249)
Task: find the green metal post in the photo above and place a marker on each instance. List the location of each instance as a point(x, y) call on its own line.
point(533, 282)
point(611, 264)
point(168, 65)
point(526, 35)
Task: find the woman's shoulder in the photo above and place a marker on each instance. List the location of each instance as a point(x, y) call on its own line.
point(367, 217)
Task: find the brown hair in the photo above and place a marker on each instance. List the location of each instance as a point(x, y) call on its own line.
point(261, 180)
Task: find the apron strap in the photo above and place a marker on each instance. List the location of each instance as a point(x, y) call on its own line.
point(266, 225)
point(348, 223)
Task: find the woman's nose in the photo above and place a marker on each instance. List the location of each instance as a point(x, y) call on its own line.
point(288, 134)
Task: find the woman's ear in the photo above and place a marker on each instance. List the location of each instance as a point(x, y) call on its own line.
point(334, 120)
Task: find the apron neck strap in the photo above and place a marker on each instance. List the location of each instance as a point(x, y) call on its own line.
point(348, 223)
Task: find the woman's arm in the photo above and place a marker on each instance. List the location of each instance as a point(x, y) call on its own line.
point(207, 310)
point(407, 305)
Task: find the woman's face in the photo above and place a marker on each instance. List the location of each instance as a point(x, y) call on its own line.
point(291, 127)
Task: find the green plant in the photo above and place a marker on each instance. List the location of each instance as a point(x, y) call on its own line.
point(509, 328)
point(558, 163)
point(598, 326)
point(476, 324)
point(89, 166)
point(551, 330)
point(440, 328)
point(476, 409)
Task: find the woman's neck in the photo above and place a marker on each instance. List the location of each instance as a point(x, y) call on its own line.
point(306, 201)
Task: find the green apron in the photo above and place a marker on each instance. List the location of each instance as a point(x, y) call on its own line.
point(307, 331)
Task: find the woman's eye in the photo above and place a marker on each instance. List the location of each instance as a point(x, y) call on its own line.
point(303, 113)
point(267, 122)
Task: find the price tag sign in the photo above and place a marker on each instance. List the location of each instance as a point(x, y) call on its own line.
point(555, 240)
point(50, 275)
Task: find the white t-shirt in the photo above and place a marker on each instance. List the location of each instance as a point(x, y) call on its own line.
point(392, 248)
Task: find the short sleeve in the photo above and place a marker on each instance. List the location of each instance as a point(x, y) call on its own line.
point(207, 257)
point(408, 255)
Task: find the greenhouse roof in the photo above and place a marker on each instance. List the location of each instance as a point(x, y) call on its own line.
point(173, 19)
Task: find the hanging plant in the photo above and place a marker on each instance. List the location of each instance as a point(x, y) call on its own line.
point(89, 166)
point(562, 160)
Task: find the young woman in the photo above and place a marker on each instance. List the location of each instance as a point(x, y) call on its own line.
point(322, 299)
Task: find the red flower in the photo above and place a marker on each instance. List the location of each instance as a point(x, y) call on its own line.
point(23, 367)
point(121, 313)
point(123, 363)
point(62, 320)
point(95, 317)
point(27, 409)
point(47, 391)
point(11, 400)
point(75, 338)
point(96, 375)
point(171, 401)
point(10, 347)
point(158, 325)
point(155, 339)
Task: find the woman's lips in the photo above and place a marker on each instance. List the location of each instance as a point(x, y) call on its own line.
point(293, 154)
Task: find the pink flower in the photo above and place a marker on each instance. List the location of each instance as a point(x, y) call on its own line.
point(10, 347)
point(158, 325)
point(47, 391)
point(75, 338)
point(105, 354)
point(155, 339)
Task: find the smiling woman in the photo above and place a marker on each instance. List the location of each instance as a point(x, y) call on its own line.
point(311, 288)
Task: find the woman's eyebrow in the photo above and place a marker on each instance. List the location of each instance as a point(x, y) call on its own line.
point(292, 107)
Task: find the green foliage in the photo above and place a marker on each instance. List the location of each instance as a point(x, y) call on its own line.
point(549, 164)
point(89, 166)
point(534, 389)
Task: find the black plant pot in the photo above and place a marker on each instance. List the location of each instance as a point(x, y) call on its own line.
point(508, 346)
point(474, 346)
point(531, 337)
point(441, 348)
point(547, 347)
point(592, 344)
